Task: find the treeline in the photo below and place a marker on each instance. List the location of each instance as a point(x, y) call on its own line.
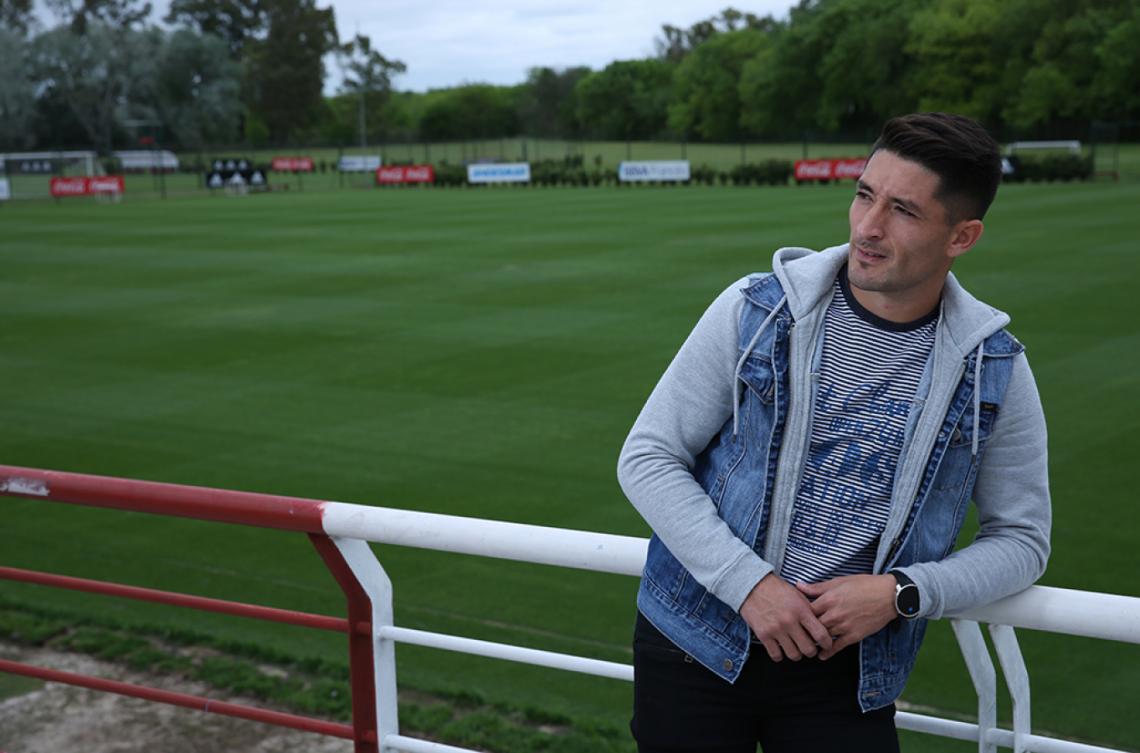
point(252, 71)
point(228, 71)
point(833, 67)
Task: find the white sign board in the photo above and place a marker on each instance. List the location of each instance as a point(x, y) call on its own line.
point(367, 163)
point(510, 172)
point(655, 170)
point(5, 190)
point(147, 159)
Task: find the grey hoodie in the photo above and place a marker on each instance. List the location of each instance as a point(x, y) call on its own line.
point(697, 396)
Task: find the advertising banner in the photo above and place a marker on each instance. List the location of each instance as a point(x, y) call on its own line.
point(829, 169)
point(293, 164)
point(509, 172)
point(30, 165)
point(655, 170)
point(138, 160)
point(359, 163)
point(849, 168)
point(386, 176)
point(235, 172)
point(84, 186)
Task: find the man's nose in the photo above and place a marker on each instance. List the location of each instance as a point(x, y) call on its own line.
point(870, 225)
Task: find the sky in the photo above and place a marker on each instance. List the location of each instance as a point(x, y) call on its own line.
point(449, 42)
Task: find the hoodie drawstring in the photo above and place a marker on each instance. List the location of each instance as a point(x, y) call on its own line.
point(977, 397)
point(737, 392)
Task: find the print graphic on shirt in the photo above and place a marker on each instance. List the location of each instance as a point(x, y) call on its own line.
point(866, 385)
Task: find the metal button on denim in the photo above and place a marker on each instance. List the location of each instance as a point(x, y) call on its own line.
point(728, 665)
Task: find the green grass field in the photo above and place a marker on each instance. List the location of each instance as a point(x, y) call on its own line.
point(482, 353)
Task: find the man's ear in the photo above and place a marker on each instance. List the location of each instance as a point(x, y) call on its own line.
point(963, 237)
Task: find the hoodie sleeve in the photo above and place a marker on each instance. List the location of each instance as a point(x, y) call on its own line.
point(689, 406)
point(1014, 514)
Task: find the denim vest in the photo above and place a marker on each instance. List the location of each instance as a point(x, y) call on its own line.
point(738, 471)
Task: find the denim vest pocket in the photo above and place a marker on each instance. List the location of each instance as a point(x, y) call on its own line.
point(957, 465)
point(757, 373)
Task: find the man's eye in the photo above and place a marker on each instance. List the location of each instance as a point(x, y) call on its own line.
point(905, 211)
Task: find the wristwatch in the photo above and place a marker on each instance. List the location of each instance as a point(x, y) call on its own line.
point(906, 596)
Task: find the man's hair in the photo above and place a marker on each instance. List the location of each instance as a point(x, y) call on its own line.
point(958, 150)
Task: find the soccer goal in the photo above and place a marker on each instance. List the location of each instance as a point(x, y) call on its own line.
point(29, 174)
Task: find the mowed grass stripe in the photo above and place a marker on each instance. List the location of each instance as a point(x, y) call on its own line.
point(483, 352)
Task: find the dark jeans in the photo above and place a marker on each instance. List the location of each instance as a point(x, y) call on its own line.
point(807, 706)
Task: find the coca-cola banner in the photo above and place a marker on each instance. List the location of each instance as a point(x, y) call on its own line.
point(405, 174)
point(829, 169)
point(87, 186)
point(293, 164)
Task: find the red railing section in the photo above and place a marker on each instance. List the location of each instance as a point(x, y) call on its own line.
point(240, 508)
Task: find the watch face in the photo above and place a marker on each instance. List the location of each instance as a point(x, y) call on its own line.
point(906, 600)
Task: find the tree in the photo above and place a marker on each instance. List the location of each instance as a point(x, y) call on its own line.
point(16, 15)
point(368, 76)
point(706, 101)
point(286, 69)
point(117, 14)
point(675, 43)
point(866, 75)
point(474, 111)
point(779, 89)
point(100, 75)
point(236, 21)
point(1062, 71)
point(198, 90)
point(958, 50)
point(17, 92)
point(1116, 89)
point(628, 99)
point(547, 103)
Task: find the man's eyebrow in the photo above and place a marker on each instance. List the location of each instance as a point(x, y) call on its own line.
point(907, 204)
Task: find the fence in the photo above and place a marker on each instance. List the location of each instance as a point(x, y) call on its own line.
point(341, 532)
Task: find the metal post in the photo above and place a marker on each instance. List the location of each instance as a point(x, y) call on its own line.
point(1016, 679)
point(370, 576)
point(364, 663)
point(981, 668)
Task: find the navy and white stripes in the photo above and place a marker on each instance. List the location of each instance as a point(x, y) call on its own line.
point(869, 371)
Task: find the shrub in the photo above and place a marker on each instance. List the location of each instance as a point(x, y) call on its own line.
point(1050, 167)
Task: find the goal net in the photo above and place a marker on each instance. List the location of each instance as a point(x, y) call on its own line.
point(29, 174)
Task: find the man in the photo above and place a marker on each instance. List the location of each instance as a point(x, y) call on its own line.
point(806, 462)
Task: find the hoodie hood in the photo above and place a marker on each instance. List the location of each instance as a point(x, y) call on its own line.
point(807, 276)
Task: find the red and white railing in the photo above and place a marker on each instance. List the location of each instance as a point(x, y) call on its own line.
point(341, 532)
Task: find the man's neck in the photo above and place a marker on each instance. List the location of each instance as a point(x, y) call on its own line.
point(899, 308)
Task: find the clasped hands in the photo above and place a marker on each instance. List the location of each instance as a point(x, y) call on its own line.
point(810, 619)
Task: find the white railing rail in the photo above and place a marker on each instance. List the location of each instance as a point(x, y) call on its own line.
point(1058, 610)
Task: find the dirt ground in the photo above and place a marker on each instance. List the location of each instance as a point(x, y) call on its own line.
point(60, 718)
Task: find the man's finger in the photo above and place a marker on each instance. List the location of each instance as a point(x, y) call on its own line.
point(819, 633)
point(841, 643)
point(789, 647)
point(803, 641)
point(773, 649)
point(810, 589)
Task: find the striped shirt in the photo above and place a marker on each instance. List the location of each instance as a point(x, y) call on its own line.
point(869, 371)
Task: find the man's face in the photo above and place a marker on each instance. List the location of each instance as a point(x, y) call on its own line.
point(901, 236)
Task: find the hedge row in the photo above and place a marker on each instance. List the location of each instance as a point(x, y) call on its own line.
point(1050, 167)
